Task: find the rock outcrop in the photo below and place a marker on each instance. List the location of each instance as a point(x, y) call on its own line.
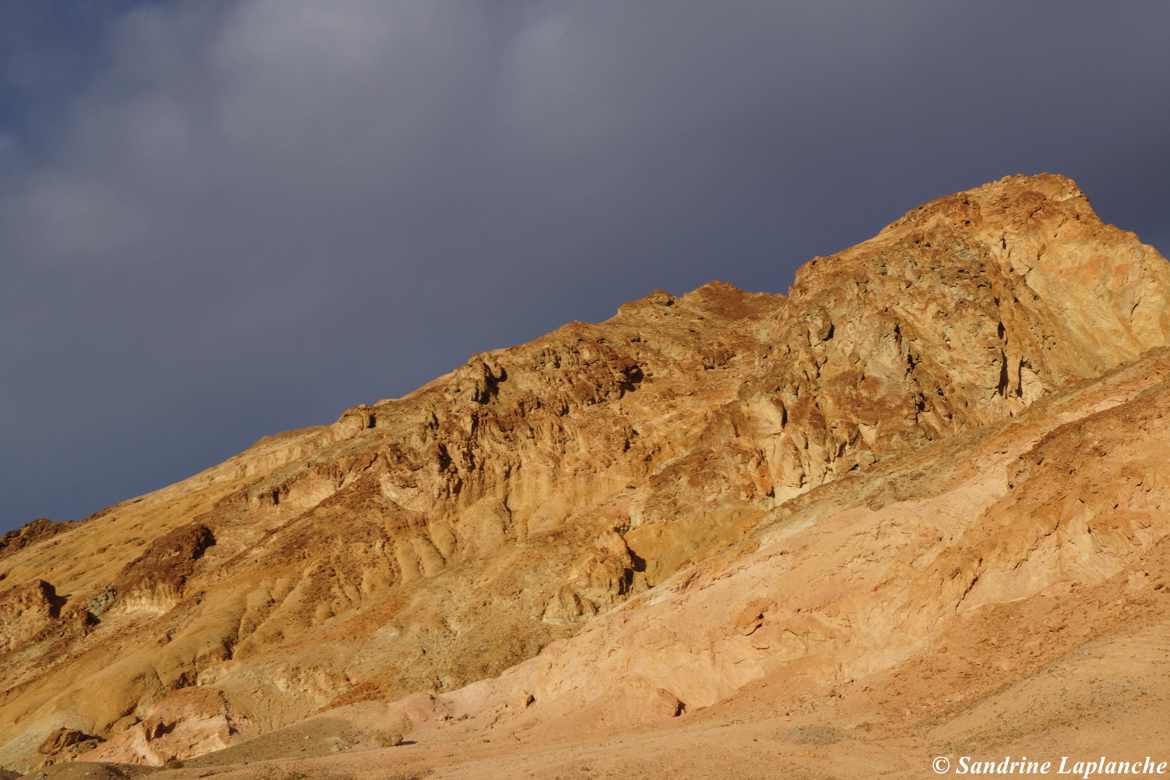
point(27, 610)
point(716, 451)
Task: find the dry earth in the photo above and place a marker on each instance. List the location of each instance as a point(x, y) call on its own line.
point(919, 506)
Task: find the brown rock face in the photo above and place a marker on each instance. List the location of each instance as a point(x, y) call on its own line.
point(25, 611)
point(577, 488)
point(154, 581)
point(38, 530)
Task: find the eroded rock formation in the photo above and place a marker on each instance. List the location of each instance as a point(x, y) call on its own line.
point(537, 492)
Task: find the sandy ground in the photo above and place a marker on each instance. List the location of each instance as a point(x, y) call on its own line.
point(1110, 697)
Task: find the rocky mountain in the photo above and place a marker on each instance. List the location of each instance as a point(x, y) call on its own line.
point(707, 513)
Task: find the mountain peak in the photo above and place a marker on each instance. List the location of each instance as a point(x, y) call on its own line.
point(423, 543)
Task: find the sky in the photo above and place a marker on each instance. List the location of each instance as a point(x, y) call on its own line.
point(220, 220)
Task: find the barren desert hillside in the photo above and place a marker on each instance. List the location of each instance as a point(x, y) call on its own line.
point(918, 506)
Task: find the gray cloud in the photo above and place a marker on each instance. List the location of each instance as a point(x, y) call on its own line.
point(224, 219)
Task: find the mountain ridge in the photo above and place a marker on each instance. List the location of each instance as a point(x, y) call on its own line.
point(421, 544)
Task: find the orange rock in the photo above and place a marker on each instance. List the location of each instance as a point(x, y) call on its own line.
point(701, 494)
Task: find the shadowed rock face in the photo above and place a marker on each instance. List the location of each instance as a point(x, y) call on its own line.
point(423, 543)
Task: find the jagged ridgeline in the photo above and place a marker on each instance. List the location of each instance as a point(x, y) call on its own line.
point(422, 543)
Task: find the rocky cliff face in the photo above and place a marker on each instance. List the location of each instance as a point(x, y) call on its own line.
point(423, 543)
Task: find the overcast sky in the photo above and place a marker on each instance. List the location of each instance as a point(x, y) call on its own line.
point(225, 219)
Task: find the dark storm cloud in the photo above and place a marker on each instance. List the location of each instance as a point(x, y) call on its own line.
point(219, 220)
